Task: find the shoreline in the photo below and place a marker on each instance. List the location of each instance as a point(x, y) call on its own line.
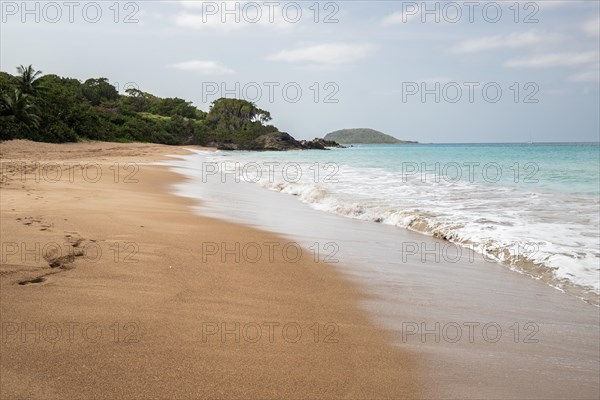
point(160, 320)
point(536, 324)
point(528, 254)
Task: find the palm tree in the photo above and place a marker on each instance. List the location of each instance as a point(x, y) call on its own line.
point(17, 105)
point(29, 79)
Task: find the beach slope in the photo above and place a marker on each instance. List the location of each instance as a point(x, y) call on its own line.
point(110, 287)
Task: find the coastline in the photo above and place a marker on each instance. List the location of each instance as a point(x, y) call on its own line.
point(132, 310)
point(486, 215)
point(469, 320)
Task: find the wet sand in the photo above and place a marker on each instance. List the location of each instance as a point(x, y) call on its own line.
point(479, 329)
point(109, 288)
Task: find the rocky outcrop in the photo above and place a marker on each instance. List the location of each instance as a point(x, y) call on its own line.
point(225, 146)
point(319, 143)
point(273, 141)
point(280, 141)
point(312, 145)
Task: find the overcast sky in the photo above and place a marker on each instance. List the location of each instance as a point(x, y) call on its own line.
point(434, 72)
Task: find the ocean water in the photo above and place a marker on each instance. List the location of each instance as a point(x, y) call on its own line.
point(334, 221)
point(532, 207)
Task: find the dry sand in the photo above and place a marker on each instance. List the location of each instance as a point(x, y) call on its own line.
point(120, 302)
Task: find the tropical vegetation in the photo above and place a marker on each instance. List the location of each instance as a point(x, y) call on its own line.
point(51, 108)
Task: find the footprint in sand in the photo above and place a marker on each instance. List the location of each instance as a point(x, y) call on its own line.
point(29, 221)
point(33, 281)
point(55, 262)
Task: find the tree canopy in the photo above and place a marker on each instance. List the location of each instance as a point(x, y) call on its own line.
point(56, 109)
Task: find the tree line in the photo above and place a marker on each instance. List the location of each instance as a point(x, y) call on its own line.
point(49, 108)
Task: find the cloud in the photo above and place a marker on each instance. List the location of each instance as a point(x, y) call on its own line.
point(592, 75)
point(549, 60)
point(592, 27)
point(199, 21)
point(197, 4)
point(232, 16)
point(555, 92)
point(557, 3)
point(324, 54)
point(509, 41)
point(202, 67)
point(434, 11)
point(400, 17)
point(436, 79)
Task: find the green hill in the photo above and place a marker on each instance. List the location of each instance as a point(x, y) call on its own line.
point(363, 136)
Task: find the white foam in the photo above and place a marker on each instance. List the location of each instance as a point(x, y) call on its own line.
point(556, 231)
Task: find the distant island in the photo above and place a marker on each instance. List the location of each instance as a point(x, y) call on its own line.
point(363, 136)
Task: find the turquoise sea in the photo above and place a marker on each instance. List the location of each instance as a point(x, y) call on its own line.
point(533, 207)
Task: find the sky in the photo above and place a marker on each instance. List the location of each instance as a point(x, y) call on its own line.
point(436, 71)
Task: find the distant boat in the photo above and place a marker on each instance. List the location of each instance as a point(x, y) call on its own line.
point(530, 141)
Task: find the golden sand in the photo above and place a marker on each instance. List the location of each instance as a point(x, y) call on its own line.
point(106, 292)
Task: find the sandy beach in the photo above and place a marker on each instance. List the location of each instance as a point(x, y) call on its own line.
point(478, 328)
point(105, 293)
point(305, 200)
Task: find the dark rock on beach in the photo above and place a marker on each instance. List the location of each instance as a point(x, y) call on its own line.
point(320, 144)
point(312, 145)
point(279, 141)
point(273, 141)
point(226, 146)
